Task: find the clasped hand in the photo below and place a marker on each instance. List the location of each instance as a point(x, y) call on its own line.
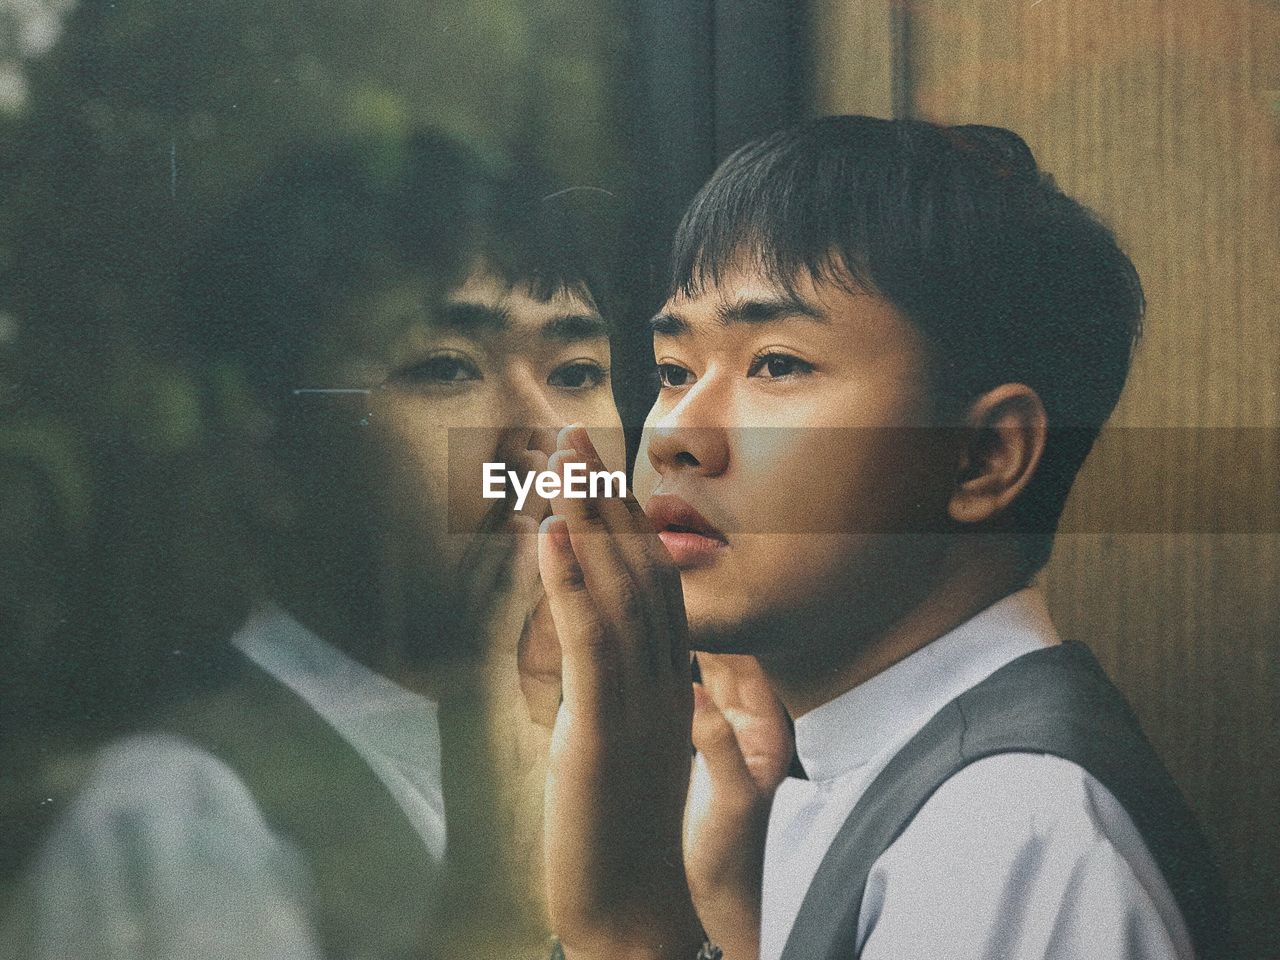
point(626, 863)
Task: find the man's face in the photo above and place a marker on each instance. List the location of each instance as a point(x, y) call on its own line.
point(792, 426)
point(493, 373)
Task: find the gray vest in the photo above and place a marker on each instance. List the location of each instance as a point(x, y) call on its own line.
point(1055, 701)
point(374, 886)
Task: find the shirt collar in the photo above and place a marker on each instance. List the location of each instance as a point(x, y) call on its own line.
point(846, 732)
point(374, 714)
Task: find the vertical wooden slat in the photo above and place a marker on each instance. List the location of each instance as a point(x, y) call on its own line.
point(853, 57)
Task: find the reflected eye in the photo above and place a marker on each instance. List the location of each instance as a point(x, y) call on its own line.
point(443, 368)
point(673, 375)
point(578, 375)
point(774, 366)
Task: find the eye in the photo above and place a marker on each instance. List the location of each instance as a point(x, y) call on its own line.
point(672, 375)
point(443, 368)
point(578, 375)
point(775, 366)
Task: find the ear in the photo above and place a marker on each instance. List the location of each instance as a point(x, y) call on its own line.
point(1004, 439)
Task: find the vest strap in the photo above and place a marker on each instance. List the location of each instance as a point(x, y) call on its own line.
point(1055, 701)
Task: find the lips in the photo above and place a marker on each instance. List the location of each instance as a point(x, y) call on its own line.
point(689, 537)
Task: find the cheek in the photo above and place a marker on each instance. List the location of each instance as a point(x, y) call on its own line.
point(787, 480)
point(844, 480)
point(644, 478)
point(765, 579)
point(431, 486)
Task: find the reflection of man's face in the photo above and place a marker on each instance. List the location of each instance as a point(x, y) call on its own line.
point(765, 425)
point(493, 372)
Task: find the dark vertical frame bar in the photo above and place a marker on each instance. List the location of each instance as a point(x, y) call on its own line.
point(668, 106)
point(762, 69)
point(705, 76)
point(673, 108)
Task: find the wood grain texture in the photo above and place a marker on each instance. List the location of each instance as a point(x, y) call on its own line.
point(1163, 116)
point(852, 53)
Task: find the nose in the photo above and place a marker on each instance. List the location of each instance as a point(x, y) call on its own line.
point(532, 419)
point(688, 437)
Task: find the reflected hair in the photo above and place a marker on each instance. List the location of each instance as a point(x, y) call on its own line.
point(331, 221)
point(315, 230)
point(548, 241)
point(1008, 278)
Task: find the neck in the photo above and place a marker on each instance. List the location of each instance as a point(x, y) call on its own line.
point(369, 627)
point(828, 667)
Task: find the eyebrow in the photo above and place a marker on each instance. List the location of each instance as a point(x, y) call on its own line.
point(572, 327)
point(753, 310)
point(475, 318)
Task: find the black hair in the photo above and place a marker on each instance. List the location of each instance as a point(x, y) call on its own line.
point(547, 240)
point(323, 225)
point(1009, 279)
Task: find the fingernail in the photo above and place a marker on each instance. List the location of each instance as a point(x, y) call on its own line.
point(556, 462)
point(580, 440)
point(556, 528)
point(562, 438)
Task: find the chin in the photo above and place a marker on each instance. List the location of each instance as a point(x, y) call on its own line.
point(722, 631)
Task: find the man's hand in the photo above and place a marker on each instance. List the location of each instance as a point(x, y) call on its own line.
point(621, 743)
point(539, 665)
point(498, 571)
point(744, 748)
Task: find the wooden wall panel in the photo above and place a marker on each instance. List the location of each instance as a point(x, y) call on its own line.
point(1164, 116)
point(853, 57)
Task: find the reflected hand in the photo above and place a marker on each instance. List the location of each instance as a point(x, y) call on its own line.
point(498, 572)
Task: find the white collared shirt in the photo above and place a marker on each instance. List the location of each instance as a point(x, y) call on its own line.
point(1016, 857)
point(395, 730)
point(165, 854)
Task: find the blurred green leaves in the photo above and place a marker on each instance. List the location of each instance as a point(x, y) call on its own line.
point(138, 129)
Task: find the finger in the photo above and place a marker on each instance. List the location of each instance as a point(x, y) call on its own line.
point(538, 659)
point(475, 552)
point(666, 575)
point(535, 505)
point(522, 563)
point(621, 514)
point(645, 556)
point(715, 739)
point(739, 687)
point(500, 575)
point(678, 652)
point(588, 657)
point(755, 692)
point(720, 674)
point(485, 575)
point(634, 540)
point(621, 517)
point(628, 598)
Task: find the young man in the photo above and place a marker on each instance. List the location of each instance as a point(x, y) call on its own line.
point(372, 317)
point(888, 348)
